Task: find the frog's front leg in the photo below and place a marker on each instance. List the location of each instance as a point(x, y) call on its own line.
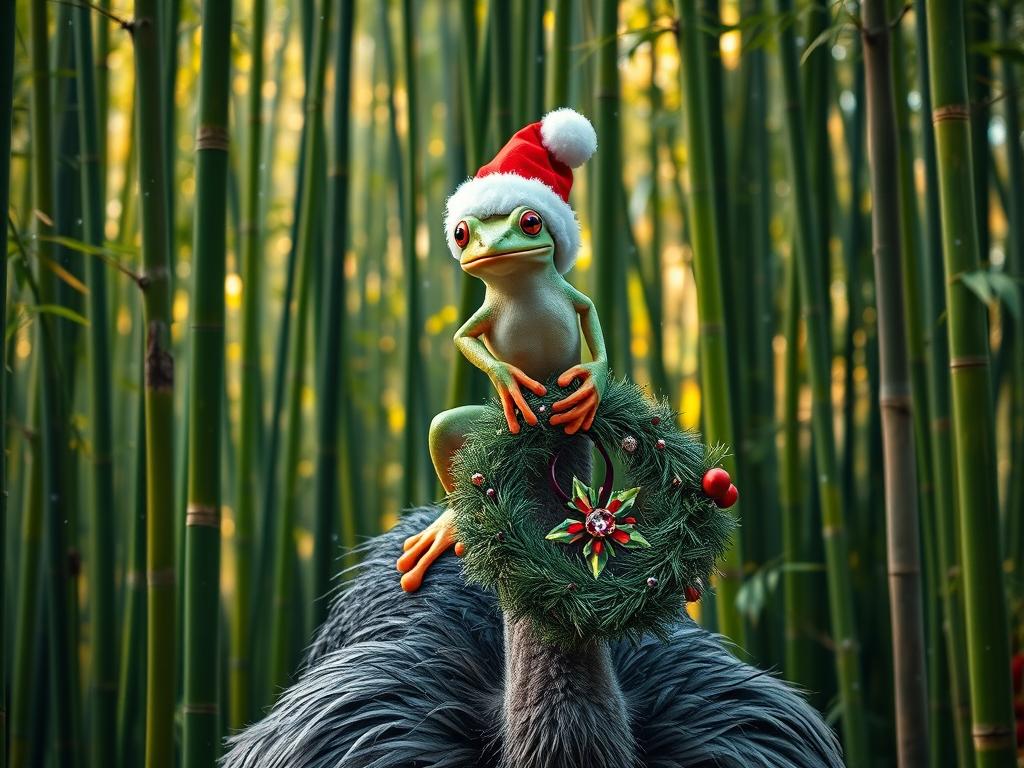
point(577, 411)
point(448, 432)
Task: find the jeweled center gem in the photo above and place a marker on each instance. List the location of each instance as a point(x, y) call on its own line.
point(600, 523)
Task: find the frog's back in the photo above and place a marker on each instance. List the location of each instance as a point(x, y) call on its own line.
point(537, 329)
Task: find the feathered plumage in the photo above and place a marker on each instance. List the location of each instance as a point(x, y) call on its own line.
point(397, 679)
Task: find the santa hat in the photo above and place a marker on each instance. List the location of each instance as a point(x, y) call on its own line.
point(534, 168)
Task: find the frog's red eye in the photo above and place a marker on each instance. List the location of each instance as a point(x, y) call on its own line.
point(461, 234)
point(530, 223)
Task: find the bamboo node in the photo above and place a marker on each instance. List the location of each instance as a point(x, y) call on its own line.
point(160, 578)
point(990, 738)
point(212, 137)
point(951, 112)
point(202, 515)
point(968, 361)
point(159, 362)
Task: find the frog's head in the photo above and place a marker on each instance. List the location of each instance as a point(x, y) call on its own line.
point(514, 214)
point(500, 246)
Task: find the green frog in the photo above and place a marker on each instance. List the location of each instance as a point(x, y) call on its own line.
point(526, 332)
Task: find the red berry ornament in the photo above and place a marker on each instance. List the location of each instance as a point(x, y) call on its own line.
point(728, 498)
point(716, 482)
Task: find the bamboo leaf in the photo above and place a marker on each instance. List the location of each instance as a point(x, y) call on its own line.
point(1008, 291)
point(977, 283)
point(58, 311)
point(66, 276)
point(106, 253)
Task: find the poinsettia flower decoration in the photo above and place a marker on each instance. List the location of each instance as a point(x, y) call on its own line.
point(600, 526)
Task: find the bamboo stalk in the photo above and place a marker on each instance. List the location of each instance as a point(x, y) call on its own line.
point(201, 733)
point(28, 618)
point(607, 217)
point(844, 632)
point(652, 274)
point(132, 679)
point(716, 407)
point(466, 380)
point(103, 697)
point(332, 386)
point(306, 247)
point(415, 395)
point(977, 28)
point(558, 70)
point(161, 636)
point(1015, 266)
point(269, 528)
point(798, 655)
point(6, 115)
point(895, 322)
point(60, 583)
point(239, 670)
point(974, 434)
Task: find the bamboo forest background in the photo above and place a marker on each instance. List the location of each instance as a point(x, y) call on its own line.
point(229, 310)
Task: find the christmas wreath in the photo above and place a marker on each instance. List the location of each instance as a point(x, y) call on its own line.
point(627, 554)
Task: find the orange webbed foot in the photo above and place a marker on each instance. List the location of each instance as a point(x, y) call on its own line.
point(423, 548)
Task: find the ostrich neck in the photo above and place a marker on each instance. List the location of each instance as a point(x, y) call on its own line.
point(561, 707)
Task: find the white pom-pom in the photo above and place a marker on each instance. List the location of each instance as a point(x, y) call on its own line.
point(568, 136)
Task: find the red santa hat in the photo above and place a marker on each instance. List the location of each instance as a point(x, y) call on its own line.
point(534, 168)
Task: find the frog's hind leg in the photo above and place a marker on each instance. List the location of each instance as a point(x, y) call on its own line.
point(448, 433)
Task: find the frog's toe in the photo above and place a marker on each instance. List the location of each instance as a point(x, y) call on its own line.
point(415, 551)
point(413, 578)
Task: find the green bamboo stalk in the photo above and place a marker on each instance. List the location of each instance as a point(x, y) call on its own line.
point(466, 381)
point(415, 382)
point(499, 21)
point(557, 85)
point(716, 406)
point(607, 216)
point(28, 618)
point(269, 507)
point(161, 654)
point(60, 584)
point(6, 114)
point(102, 79)
point(978, 31)
point(103, 697)
point(973, 428)
point(132, 679)
point(852, 247)
point(239, 670)
point(896, 320)
point(798, 654)
point(202, 519)
point(844, 632)
point(940, 733)
point(652, 278)
point(281, 633)
point(1015, 266)
point(306, 247)
point(333, 383)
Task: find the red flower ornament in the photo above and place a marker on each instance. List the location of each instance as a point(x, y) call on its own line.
point(600, 526)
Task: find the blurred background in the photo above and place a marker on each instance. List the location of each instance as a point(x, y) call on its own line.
point(349, 123)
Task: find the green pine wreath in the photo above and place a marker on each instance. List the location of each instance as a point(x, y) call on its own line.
point(675, 532)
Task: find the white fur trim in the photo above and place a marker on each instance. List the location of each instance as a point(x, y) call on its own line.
point(568, 136)
point(502, 193)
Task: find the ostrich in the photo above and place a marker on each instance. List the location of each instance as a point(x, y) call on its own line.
point(442, 677)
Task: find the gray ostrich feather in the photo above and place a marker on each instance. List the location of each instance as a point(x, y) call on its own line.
point(418, 680)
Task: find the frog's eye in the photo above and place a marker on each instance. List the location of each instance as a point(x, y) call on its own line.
point(461, 234)
point(530, 222)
